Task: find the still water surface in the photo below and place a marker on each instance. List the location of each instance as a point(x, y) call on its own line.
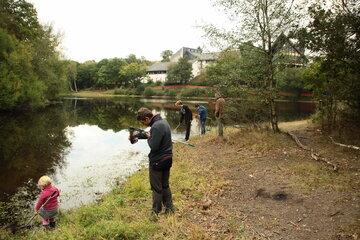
point(83, 145)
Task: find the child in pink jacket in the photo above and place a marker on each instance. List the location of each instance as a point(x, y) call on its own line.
point(47, 204)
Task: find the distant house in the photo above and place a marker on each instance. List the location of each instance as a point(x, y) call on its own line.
point(157, 72)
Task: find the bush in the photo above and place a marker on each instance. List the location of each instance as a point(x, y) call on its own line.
point(170, 92)
point(125, 91)
point(196, 92)
point(148, 92)
point(140, 89)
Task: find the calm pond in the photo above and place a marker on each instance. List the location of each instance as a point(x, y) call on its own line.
point(83, 145)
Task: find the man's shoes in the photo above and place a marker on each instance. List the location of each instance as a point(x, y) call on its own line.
point(170, 211)
point(154, 217)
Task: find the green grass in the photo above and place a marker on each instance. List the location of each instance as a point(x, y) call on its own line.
point(124, 213)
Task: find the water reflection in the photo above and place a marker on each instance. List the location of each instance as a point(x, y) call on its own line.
point(30, 145)
point(96, 158)
point(83, 144)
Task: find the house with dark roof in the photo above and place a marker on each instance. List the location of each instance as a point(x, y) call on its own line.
point(157, 72)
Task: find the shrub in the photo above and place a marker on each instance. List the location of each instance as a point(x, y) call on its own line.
point(140, 89)
point(170, 92)
point(197, 92)
point(125, 91)
point(148, 92)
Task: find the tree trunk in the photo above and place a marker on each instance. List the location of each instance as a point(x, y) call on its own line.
point(273, 116)
point(70, 86)
point(75, 86)
point(272, 91)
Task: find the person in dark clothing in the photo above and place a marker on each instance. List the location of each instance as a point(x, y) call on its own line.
point(185, 114)
point(202, 112)
point(160, 159)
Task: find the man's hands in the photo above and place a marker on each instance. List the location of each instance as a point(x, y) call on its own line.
point(147, 134)
point(136, 134)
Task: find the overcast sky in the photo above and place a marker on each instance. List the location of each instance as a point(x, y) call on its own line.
point(93, 29)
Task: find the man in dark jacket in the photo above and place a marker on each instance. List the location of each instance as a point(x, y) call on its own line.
point(160, 159)
point(185, 114)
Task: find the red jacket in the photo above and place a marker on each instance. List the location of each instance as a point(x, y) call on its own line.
point(48, 192)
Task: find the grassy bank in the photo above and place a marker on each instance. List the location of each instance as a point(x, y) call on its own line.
point(125, 212)
point(156, 92)
point(252, 185)
point(93, 94)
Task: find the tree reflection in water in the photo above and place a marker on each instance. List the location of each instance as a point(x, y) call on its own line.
point(38, 143)
point(31, 145)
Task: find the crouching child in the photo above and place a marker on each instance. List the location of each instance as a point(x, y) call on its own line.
point(47, 204)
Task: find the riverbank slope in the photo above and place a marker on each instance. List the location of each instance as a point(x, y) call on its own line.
point(252, 185)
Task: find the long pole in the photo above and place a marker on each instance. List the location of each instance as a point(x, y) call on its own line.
point(177, 127)
point(185, 143)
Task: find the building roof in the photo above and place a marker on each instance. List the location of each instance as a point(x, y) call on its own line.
point(191, 53)
point(184, 52)
point(206, 56)
point(159, 66)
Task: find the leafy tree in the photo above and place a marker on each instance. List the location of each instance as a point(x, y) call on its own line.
point(112, 73)
point(19, 18)
point(131, 74)
point(265, 26)
point(236, 70)
point(30, 68)
point(165, 55)
point(108, 73)
point(180, 72)
point(131, 59)
point(18, 82)
point(334, 35)
point(86, 74)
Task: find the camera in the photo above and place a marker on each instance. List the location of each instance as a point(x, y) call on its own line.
point(136, 134)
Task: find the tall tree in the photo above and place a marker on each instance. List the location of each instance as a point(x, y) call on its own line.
point(333, 34)
point(266, 25)
point(19, 18)
point(31, 68)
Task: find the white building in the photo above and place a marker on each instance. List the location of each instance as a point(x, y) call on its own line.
point(157, 72)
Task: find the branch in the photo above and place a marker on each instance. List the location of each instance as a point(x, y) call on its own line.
point(285, 16)
point(344, 145)
point(296, 139)
point(313, 155)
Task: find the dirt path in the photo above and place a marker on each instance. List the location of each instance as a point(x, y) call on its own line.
point(275, 190)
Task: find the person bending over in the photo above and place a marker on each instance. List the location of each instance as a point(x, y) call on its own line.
point(185, 114)
point(47, 203)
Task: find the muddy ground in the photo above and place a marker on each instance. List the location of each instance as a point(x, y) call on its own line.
point(275, 190)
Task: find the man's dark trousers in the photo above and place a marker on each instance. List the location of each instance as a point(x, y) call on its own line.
point(188, 128)
point(161, 193)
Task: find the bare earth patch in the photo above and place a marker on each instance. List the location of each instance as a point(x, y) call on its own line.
point(273, 189)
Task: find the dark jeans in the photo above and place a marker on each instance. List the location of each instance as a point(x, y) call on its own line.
point(202, 126)
point(188, 128)
point(161, 194)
